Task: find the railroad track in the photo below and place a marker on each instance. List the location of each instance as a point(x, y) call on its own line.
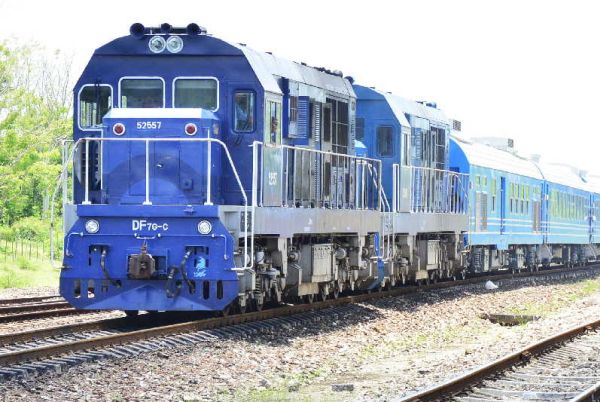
point(33, 299)
point(30, 308)
point(564, 367)
point(32, 352)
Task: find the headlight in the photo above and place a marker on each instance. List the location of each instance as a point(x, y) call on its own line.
point(204, 227)
point(157, 44)
point(92, 226)
point(174, 44)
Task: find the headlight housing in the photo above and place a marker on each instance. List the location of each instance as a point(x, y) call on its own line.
point(92, 226)
point(204, 227)
point(174, 44)
point(157, 44)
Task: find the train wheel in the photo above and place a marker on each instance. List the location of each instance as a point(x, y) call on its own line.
point(242, 309)
point(323, 293)
point(258, 305)
point(223, 313)
point(336, 291)
point(131, 313)
point(309, 299)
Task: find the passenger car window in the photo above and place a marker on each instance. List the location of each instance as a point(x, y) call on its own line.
point(243, 111)
point(94, 102)
point(385, 141)
point(197, 92)
point(142, 92)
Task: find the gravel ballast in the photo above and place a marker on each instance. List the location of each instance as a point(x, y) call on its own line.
point(406, 343)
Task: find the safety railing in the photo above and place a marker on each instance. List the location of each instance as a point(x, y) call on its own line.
point(72, 148)
point(431, 190)
point(287, 176)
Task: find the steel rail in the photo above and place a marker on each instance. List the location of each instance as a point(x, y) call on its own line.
point(213, 323)
point(459, 384)
point(590, 394)
point(34, 315)
point(32, 299)
point(34, 307)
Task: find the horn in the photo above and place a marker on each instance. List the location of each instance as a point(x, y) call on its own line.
point(192, 29)
point(137, 30)
point(166, 28)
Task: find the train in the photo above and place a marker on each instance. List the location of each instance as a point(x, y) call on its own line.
point(204, 175)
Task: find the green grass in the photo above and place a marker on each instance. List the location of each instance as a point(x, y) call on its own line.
point(547, 307)
point(280, 390)
point(587, 288)
point(25, 272)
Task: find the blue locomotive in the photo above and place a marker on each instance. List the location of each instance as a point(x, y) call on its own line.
point(204, 175)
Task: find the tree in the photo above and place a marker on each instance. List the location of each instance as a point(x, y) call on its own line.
point(34, 119)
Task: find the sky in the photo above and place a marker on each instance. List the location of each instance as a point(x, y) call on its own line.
point(527, 70)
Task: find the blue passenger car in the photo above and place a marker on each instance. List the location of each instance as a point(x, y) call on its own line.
point(524, 213)
point(567, 219)
point(505, 210)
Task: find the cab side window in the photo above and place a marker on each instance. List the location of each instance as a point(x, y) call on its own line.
point(94, 102)
point(243, 111)
point(385, 141)
point(142, 93)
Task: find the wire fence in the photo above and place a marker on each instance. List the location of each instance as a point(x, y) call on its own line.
point(12, 249)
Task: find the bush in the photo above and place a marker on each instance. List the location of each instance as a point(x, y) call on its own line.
point(7, 233)
point(25, 264)
point(32, 229)
point(10, 279)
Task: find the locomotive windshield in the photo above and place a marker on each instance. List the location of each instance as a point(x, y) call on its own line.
point(142, 92)
point(196, 93)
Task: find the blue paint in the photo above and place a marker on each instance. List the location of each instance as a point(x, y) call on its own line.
point(380, 263)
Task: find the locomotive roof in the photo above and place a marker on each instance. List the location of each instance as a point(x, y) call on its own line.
point(493, 158)
point(401, 106)
point(266, 66)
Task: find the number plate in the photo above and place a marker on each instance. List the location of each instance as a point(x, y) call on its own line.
point(148, 125)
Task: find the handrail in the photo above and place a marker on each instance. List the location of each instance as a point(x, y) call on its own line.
point(147, 201)
point(432, 190)
point(342, 189)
